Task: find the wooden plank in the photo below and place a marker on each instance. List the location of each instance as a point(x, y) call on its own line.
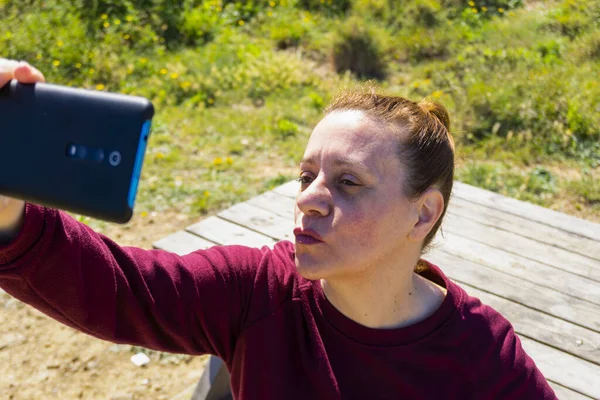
point(260, 220)
point(557, 304)
point(569, 371)
point(564, 393)
point(576, 340)
point(527, 210)
point(289, 189)
point(525, 227)
point(531, 249)
point(182, 243)
point(521, 267)
point(276, 203)
point(223, 232)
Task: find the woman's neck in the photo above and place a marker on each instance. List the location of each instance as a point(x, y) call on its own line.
point(384, 300)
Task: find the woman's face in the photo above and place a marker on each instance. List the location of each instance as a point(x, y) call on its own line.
point(351, 197)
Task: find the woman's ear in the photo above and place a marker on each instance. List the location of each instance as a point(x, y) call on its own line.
point(429, 208)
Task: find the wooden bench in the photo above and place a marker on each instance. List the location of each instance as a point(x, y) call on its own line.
point(538, 267)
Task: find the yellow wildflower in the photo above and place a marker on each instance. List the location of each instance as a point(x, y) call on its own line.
point(206, 193)
point(474, 10)
point(241, 22)
point(160, 155)
point(185, 85)
point(501, 10)
point(59, 43)
point(437, 94)
point(229, 160)
point(104, 16)
point(269, 14)
point(106, 24)
point(117, 22)
point(163, 71)
point(100, 86)
point(78, 65)
point(272, 4)
point(144, 214)
point(218, 161)
point(472, 3)
point(143, 60)
point(174, 75)
point(91, 71)
point(211, 101)
point(484, 8)
point(126, 36)
point(38, 57)
point(56, 63)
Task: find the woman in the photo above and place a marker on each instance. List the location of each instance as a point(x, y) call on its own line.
point(349, 311)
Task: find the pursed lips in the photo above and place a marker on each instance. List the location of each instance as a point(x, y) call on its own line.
point(307, 236)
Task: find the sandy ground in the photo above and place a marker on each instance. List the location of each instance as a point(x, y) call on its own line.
point(43, 359)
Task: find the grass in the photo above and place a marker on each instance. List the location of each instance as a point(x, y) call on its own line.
point(238, 86)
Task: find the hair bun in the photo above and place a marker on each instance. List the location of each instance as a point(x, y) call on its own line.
point(438, 110)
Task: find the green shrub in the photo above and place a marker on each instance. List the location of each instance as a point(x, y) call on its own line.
point(588, 188)
point(425, 13)
point(424, 44)
point(588, 47)
point(200, 24)
point(288, 27)
point(359, 48)
point(537, 185)
point(574, 17)
point(286, 128)
point(326, 6)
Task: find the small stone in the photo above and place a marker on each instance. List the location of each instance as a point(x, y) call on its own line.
point(140, 359)
point(579, 342)
point(145, 382)
point(91, 365)
point(11, 340)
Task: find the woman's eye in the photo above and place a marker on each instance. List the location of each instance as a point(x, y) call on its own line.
point(348, 182)
point(304, 179)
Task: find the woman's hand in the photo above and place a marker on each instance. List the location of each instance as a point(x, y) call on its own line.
point(12, 210)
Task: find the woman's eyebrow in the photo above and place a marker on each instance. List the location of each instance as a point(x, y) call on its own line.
point(338, 162)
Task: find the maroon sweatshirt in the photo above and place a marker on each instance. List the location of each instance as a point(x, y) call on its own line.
point(276, 331)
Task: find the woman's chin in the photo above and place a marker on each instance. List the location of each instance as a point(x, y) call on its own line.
point(309, 268)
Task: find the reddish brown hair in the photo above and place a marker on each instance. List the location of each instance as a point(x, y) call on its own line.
point(425, 146)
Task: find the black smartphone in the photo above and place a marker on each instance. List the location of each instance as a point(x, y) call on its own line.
point(74, 149)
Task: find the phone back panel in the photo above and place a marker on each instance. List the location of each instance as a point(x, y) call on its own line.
point(72, 149)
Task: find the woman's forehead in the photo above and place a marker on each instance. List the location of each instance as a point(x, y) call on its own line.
point(351, 131)
point(351, 138)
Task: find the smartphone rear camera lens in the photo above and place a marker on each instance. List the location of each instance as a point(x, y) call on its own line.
point(114, 158)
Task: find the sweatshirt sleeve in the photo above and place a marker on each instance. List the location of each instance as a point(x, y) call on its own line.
point(500, 368)
point(194, 304)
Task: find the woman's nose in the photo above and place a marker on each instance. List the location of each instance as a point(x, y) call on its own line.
point(315, 199)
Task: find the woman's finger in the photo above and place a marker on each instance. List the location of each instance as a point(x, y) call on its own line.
point(26, 73)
